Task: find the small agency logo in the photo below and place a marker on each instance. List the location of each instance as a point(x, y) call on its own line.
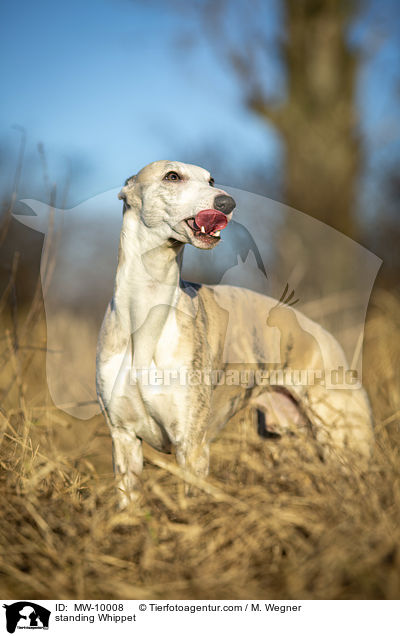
point(26, 615)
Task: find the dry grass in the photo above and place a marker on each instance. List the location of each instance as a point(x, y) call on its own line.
point(271, 521)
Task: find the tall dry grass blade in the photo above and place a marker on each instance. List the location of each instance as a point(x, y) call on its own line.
point(18, 170)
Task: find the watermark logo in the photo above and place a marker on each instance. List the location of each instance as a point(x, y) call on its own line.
point(26, 615)
point(338, 378)
point(267, 248)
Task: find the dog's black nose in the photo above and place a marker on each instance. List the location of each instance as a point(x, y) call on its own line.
point(224, 203)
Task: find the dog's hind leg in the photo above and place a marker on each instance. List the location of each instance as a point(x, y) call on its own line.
point(341, 421)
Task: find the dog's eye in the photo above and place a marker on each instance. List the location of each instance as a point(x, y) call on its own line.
point(211, 182)
point(172, 176)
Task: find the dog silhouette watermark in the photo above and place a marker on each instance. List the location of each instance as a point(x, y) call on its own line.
point(26, 615)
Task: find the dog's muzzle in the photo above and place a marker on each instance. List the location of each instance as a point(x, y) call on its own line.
point(207, 224)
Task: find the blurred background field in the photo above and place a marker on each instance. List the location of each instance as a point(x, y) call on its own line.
point(294, 100)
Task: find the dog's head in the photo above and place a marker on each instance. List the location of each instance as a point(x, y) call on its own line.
point(178, 201)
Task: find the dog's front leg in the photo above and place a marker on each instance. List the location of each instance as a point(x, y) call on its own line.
point(128, 464)
point(194, 457)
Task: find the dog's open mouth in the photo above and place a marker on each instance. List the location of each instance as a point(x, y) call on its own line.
point(208, 224)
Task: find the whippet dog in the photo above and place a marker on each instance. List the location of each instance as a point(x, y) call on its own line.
point(156, 322)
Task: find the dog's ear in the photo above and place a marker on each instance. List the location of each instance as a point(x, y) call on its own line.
point(129, 196)
point(128, 185)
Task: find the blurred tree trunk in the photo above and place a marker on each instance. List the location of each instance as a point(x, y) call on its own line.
point(318, 120)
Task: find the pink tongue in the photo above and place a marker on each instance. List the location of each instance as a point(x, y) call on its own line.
point(211, 220)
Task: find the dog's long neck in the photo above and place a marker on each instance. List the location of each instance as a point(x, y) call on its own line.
point(146, 285)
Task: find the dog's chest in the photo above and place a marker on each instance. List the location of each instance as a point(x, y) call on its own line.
point(175, 345)
point(165, 391)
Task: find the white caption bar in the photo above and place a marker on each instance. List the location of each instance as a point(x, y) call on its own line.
point(199, 617)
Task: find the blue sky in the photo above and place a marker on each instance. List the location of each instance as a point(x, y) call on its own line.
point(100, 80)
point(105, 87)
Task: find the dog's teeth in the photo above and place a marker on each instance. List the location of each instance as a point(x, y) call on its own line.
point(202, 229)
point(217, 233)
